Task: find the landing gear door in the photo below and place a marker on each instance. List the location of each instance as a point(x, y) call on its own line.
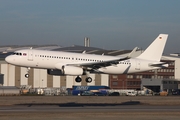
point(30, 55)
point(138, 65)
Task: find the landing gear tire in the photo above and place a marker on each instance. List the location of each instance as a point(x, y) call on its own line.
point(27, 75)
point(88, 79)
point(78, 79)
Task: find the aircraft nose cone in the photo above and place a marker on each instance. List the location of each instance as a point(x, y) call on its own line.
point(8, 59)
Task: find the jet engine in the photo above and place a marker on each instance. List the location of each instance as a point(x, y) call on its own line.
point(66, 70)
point(71, 70)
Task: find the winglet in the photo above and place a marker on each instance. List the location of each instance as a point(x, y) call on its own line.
point(132, 52)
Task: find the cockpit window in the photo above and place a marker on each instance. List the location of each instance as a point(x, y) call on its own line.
point(16, 53)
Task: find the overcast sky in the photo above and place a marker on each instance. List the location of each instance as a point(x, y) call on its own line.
point(110, 24)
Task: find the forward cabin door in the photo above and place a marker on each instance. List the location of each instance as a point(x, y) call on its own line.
point(30, 55)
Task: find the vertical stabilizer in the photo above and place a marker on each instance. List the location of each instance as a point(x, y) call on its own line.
point(155, 49)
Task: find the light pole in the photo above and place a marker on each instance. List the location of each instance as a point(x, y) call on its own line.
point(42, 83)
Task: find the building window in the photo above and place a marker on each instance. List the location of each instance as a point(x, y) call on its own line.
point(129, 76)
point(128, 82)
point(170, 82)
point(114, 76)
point(146, 76)
point(165, 77)
point(164, 82)
point(139, 76)
point(175, 82)
point(114, 83)
point(134, 76)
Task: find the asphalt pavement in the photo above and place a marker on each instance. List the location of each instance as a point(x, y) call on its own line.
point(89, 108)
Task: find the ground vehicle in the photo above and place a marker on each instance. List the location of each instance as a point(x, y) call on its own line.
point(99, 94)
point(175, 92)
point(130, 93)
point(87, 93)
point(114, 94)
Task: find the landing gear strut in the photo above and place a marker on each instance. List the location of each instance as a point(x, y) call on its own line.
point(27, 75)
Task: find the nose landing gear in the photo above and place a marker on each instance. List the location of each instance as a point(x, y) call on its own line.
point(27, 75)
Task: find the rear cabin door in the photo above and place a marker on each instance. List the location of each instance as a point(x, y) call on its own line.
point(138, 65)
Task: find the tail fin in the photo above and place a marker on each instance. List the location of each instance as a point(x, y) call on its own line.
point(155, 49)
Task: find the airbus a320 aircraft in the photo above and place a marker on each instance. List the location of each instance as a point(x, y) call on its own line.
point(77, 64)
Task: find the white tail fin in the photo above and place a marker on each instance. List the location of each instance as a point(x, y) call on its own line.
point(155, 49)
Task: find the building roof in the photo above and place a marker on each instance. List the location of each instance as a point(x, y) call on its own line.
point(91, 50)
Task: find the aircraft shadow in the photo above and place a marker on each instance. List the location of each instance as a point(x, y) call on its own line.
point(74, 104)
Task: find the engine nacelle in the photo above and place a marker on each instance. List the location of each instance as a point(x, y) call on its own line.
point(71, 70)
point(54, 72)
point(66, 70)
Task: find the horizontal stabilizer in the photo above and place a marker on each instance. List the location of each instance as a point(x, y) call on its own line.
point(160, 64)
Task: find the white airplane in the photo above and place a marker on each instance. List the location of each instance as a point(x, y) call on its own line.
point(77, 64)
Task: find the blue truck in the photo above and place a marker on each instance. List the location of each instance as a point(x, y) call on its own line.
point(80, 89)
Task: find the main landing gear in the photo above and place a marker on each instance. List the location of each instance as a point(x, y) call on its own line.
point(88, 79)
point(27, 75)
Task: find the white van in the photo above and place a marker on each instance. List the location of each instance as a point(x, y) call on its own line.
point(131, 93)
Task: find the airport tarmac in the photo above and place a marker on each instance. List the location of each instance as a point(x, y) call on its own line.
point(46, 112)
point(89, 107)
point(135, 100)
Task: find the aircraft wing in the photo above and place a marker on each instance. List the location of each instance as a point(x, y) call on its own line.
point(96, 65)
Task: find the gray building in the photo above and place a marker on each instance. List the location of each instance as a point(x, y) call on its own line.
point(1, 79)
point(158, 85)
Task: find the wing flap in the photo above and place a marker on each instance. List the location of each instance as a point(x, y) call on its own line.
point(96, 65)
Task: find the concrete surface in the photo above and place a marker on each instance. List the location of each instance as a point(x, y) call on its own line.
point(89, 108)
point(150, 100)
